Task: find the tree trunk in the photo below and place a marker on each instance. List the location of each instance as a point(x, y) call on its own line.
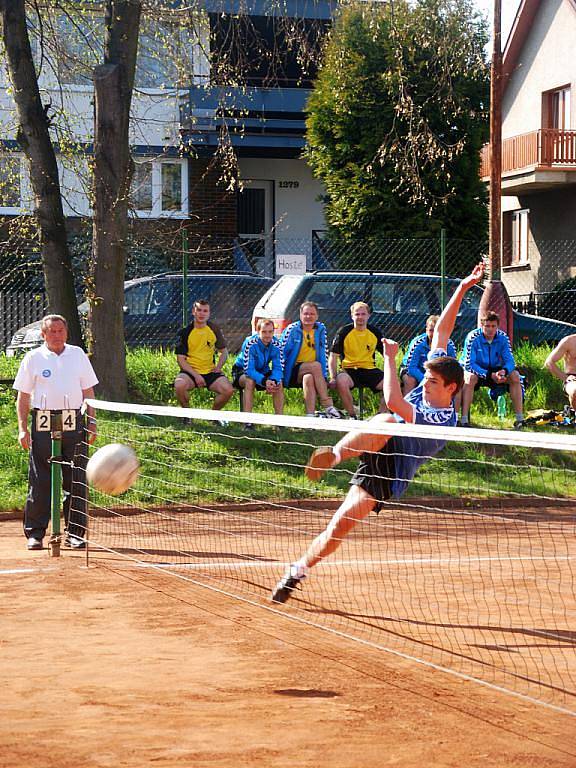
point(34, 138)
point(113, 82)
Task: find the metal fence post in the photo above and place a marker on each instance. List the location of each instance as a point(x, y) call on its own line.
point(442, 268)
point(184, 277)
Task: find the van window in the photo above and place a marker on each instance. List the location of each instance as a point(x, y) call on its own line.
point(162, 298)
point(136, 299)
point(339, 293)
point(383, 297)
point(281, 293)
point(412, 298)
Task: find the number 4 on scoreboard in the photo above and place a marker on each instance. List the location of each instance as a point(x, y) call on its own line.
point(68, 420)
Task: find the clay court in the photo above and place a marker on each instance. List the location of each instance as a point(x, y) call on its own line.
point(120, 663)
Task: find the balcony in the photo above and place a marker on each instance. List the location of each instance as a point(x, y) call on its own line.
point(542, 159)
point(259, 121)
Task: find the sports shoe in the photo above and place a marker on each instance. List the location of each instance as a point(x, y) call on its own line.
point(285, 587)
point(332, 413)
point(249, 427)
point(35, 543)
point(321, 459)
point(519, 424)
point(223, 423)
point(75, 542)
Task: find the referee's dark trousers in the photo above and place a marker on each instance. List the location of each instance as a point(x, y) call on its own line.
point(38, 507)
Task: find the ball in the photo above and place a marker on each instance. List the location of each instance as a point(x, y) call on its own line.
point(113, 469)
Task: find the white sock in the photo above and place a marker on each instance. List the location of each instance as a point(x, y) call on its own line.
point(299, 569)
point(311, 414)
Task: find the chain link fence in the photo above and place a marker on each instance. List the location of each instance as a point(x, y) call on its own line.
point(233, 274)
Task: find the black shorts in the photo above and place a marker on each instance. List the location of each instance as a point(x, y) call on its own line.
point(294, 376)
point(209, 378)
point(237, 372)
point(375, 474)
point(365, 377)
point(489, 382)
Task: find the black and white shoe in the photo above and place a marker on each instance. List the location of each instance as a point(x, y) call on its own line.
point(287, 584)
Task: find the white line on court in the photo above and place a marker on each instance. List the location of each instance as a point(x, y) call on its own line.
point(340, 563)
point(11, 571)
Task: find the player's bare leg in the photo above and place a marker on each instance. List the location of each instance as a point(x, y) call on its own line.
point(223, 390)
point(356, 506)
point(248, 385)
point(182, 386)
point(344, 385)
point(570, 389)
point(349, 447)
point(470, 381)
point(314, 385)
point(278, 400)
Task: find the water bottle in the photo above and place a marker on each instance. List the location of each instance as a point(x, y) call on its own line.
point(501, 406)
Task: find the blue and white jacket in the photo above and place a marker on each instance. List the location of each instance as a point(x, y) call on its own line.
point(260, 361)
point(417, 354)
point(479, 356)
point(291, 341)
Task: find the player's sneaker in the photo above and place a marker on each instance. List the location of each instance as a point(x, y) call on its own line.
point(287, 584)
point(519, 424)
point(332, 413)
point(321, 459)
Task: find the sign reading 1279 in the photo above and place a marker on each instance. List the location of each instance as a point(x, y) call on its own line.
point(288, 184)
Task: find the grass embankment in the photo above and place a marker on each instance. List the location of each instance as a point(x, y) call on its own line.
point(232, 455)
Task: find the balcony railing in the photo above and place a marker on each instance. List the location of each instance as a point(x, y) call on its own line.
point(544, 148)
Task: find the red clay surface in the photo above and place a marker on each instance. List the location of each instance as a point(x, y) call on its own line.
point(117, 666)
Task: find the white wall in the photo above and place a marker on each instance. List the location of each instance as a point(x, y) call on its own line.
point(297, 210)
point(546, 62)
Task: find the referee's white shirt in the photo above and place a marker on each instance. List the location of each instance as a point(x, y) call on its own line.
point(55, 381)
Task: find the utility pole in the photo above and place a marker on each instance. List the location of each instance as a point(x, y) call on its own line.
point(495, 296)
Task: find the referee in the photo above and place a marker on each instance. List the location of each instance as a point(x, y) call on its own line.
point(54, 379)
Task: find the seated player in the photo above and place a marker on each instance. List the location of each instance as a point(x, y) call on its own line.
point(488, 361)
point(413, 366)
point(387, 463)
point(198, 346)
point(354, 347)
point(259, 367)
point(304, 351)
point(565, 351)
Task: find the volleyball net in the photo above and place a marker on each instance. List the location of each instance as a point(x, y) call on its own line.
point(471, 571)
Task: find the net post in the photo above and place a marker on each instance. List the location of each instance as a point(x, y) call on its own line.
point(55, 484)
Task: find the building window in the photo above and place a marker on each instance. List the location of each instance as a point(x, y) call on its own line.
point(516, 229)
point(10, 184)
point(160, 188)
point(559, 109)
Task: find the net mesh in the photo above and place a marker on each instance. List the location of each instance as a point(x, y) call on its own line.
point(472, 570)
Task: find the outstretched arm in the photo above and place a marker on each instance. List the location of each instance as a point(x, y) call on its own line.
point(447, 319)
point(392, 391)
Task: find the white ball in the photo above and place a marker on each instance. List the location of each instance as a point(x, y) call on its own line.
point(113, 468)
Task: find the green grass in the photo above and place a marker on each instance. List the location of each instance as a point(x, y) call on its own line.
point(212, 461)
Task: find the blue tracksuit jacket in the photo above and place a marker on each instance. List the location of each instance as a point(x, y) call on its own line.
point(479, 356)
point(291, 341)
point(417, 354)
point(258, 361)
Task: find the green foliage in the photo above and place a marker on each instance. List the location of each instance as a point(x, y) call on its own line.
point(397, 119)
point(151, 374)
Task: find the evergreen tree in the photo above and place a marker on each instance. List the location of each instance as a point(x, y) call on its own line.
point(397, 119)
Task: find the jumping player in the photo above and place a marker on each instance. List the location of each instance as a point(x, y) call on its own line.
point(387, 463)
